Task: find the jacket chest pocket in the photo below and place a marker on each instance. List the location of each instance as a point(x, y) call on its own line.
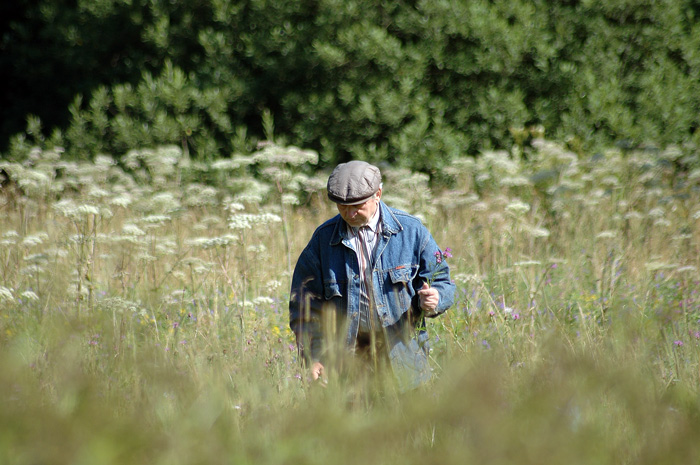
point(399, 299)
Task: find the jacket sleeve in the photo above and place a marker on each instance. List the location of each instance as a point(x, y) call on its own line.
point(305, 300)
point(434, 269)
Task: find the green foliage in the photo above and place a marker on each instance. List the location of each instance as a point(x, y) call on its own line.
point(415, 84)
point(160, 110)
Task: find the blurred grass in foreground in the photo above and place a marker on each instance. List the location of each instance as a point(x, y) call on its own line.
point(595, 406)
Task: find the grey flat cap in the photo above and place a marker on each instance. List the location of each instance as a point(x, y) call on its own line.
point(353, 183)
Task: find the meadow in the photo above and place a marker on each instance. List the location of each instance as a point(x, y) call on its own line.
point(143, 312)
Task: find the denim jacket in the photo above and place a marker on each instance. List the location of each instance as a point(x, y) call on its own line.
point(326, 283)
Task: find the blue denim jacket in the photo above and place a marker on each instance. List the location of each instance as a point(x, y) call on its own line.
point(326, 280)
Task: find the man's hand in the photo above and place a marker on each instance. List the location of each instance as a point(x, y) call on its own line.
point(318, 373)
point(429, 298)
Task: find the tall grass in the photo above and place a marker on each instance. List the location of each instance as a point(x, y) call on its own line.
point(143, 313)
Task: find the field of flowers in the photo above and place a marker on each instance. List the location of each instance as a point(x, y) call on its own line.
point(143, 312)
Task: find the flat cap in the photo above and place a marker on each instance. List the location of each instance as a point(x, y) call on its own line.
point(354, 182)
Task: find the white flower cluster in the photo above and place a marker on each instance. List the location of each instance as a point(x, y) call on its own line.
point(250, 220)
point(120, 305)
point(517, 207)
point(6, 294)
point(294, 156)
point(71, 209)
point(213, 242)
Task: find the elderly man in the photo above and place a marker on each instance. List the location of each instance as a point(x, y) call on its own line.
point(368, 277)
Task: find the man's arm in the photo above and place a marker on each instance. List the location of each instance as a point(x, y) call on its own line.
point(304, 311)
point(436, 291)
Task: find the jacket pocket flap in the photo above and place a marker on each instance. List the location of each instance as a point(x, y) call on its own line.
point(400, 274)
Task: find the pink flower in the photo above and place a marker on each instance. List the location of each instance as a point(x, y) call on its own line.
point(439, 257)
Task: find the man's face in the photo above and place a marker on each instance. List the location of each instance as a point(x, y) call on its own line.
point(359, 215)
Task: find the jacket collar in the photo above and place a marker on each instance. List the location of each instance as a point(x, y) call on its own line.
point(390, 225)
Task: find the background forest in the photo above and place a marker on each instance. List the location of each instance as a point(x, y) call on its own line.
point(414, 82)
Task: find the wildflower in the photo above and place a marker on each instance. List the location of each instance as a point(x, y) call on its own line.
point(132, 230)
point(514, 181)
point(537, 232)
point(121, 200)
point(273, 285)
point(30, 295)
point(290, 199)
point(6, 294)
point(212, 242)
point(464, 278)
point(517, 207)
point(33, 240)
point(633, 215)
point(678, 343)
point(261, 301)
point(155, 220)
point(440, 256)
point(247, 220)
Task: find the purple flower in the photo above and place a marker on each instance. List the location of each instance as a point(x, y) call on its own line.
point(439, 257)
point(678, 343)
